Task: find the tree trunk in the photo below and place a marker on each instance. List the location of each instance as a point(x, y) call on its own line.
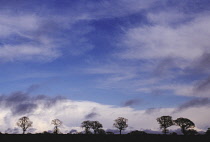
point(120, 132)
point(165, 130)
point(183, 131)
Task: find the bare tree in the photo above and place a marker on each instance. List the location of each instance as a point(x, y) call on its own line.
point(95, 125)
point(121, 123)
point(57, 123)
point(87, 125)
point(185, 124)
point(24, 123)
point(165, 122)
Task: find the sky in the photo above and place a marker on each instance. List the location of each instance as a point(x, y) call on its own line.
point(104, 59)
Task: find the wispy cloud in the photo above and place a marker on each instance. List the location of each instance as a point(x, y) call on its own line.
point(41, 34)
point(33, 36)
point(193, 103)
point(145, 42)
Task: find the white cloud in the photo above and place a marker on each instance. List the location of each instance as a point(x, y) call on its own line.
point(168, 17)
point(29, 37)
point(27, 52)
point(44, 29)
point(24, 26)
point(187, 41)
point(17, 24)
point(171, 47)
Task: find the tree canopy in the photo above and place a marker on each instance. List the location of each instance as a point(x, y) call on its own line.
point(165, 122)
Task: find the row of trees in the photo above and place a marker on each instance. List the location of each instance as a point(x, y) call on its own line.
point(121, 124)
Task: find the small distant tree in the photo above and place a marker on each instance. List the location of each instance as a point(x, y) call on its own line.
point(137, 132)
point(45, 132)
point(191, 132)
point(165, 122)
point(101, 131)
point(173, 133)
point(87, 125)
point(109, 133)
point(184, 124)
point(121, 123)
point(24, 123)
point(57, 124)
point(95, 125)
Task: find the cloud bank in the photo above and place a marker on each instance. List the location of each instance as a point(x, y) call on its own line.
point(43, 109)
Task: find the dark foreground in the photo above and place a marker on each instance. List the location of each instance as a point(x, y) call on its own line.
point(102, 138)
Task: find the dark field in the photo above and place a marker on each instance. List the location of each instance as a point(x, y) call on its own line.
point(102, 138)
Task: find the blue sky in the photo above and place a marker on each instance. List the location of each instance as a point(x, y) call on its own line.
point(141, 54)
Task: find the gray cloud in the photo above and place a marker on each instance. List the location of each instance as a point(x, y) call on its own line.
point(204, 62)
point(193, 103)
point(199, 66)
point(21, 103)
point(152, 110)
point(24, 108)
point(132, 102)
point(91, 115)
point(203, 85)
point(12, 131)
point(164, 66)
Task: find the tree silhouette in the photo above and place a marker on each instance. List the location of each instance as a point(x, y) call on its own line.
point(95, 125)
point(137, 132)
point(121, 123)
point(207, 132)
point(24, 123)
point(57, 123)
point(191, 132)
point(101, 131)
point(87, 125)
point(110, 133)
point(165, 122)
point(184, 124)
